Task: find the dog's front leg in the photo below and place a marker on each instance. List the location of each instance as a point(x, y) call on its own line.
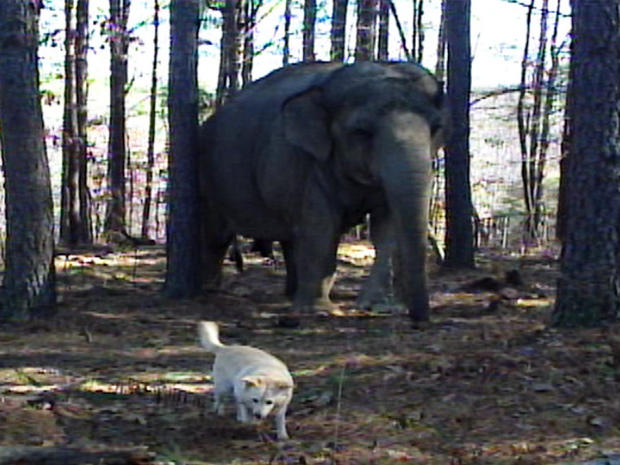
point(242, 413)
point(218, 404)
point(280, 418)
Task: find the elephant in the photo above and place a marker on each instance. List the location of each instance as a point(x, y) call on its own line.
point(301, 155)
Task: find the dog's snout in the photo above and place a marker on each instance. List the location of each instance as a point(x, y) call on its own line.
point(258, 416)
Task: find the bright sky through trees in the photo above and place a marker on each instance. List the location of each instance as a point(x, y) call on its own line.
point(497, 40)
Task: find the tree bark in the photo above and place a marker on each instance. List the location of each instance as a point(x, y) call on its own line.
point(366, 23)
point(308, 30)
point(338, 30)
point(183, 246)
point(29, 279)
point(459, 209)
point(69, 200)
point(150, 152)
point(286, 51)
point(417, 35)
point(384, 30)
point(231, 53)
point(588, 287)
point(440, 66)
point(84, 227)
point(250, 14)
point(117, 154)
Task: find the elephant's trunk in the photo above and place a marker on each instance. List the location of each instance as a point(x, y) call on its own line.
point(404, 151)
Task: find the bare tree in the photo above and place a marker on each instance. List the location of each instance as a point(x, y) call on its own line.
point(150, 152)
point(533, 116)
point(587, 291)
point(29, 278)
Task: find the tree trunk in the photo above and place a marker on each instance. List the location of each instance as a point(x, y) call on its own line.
point(533, 160)
point(440, 67)
point(250, 13)
point(551, 93)
point(231, 53)
point(417, 36)
point(286, 51)
point(150, 152)
point(84, 227)
point(69, 200)
point(587, 292)
point(366, 23)
point(183, 244)
point(562, 207)
point(308, 30)
point(534, 120)
point(115, 210)
point(29, 278)
point(459, 210)
point(338, 31)
point(384, 30)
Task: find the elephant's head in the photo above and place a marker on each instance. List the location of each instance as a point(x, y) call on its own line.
point(380, 122)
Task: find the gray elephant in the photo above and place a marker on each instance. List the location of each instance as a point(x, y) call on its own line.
point(304, 153)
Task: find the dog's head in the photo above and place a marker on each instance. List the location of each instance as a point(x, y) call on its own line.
point(263, 395)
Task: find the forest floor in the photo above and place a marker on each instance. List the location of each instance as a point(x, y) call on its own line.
point(487, 381)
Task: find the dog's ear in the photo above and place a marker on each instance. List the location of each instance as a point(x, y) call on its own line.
point(252, 381)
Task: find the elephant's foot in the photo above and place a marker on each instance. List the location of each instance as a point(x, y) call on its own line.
point(366, 299)
point(318, 306)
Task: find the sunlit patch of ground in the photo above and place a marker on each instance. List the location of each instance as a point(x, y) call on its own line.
point(486, 382)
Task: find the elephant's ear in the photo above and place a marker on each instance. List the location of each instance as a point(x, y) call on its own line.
point(306, 123)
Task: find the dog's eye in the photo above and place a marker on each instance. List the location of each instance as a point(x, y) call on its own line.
point(255, 400)
point(269, 402)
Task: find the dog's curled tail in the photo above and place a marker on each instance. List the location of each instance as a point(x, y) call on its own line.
point(209, 335)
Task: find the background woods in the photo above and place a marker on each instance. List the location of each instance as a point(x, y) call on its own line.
point(100, 107)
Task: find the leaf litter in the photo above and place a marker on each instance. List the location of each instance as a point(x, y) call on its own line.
point(485, 382)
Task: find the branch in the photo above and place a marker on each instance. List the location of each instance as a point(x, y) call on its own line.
point(403, 40)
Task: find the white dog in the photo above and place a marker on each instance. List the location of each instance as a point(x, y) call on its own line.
point(260, 383)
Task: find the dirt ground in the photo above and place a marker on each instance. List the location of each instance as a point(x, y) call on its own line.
point(486, 382)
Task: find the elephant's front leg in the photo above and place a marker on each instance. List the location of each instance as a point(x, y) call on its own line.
point(377, 287)
point(314, 253)
point(315, 267)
